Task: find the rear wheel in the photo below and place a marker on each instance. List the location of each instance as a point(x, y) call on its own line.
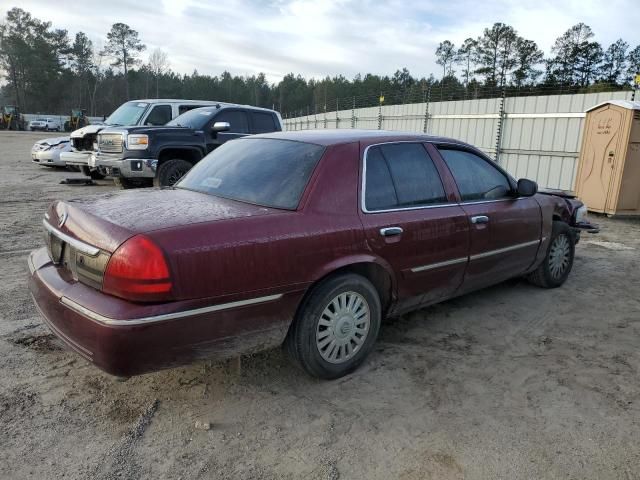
point(335, 327)
point(556, 266)
point(170, 171)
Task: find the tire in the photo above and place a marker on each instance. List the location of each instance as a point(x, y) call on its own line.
point(94, 174)
point(170, 171)
point(327, 347)
point(556, 266)
point(127, 183)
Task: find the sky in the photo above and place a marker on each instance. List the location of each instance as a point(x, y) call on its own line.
point(317, 38)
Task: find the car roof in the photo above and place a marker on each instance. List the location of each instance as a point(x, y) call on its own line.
point(174, 100)
point(222, 105)
point(339, 136)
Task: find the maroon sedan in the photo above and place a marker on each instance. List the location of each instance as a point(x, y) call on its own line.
point(303, 238)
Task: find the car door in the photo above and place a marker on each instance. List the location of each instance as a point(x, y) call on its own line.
point(412, 222)
point(505, 230)
point(238, 123)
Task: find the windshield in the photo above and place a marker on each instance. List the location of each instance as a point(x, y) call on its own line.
point(196, 118)
point(127, 114)
point(262, 171)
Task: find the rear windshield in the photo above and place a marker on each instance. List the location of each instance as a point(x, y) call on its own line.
point(127, 114)
point(262, 171)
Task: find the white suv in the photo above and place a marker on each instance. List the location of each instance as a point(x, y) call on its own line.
point(46, 124)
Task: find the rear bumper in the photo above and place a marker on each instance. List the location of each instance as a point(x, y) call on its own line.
point(124, 339)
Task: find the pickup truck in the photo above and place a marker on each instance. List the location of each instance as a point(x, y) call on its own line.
point(146, 156)
point(136, 112)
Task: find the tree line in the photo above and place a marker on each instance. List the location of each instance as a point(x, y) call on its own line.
point(47, 71)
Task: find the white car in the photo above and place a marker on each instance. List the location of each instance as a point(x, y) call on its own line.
point(47, 152)
point(45, 124)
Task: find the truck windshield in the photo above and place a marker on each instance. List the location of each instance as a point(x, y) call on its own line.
point(261, 171)
point(196, 118)
point(127, 114)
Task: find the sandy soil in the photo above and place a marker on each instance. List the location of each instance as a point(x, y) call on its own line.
point(511, 382)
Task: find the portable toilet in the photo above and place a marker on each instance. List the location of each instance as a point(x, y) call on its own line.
point(608, 178)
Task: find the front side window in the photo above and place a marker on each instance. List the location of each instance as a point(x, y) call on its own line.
point(401, 175)
point(237, 120)
point(475, 177)
point(262, 171)
point(160, 114)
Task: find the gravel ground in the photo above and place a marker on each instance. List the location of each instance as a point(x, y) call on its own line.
point(510, 382)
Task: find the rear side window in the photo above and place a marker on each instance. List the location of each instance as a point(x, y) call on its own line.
point(475, 177)
point(237, 120)
point(401, 175)
point(263, 122)
point(160, 114)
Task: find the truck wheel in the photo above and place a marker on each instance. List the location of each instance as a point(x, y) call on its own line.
point(335, 327)
point(557, 263)
point(127, 183)
point(170, 171)
point(94, 174)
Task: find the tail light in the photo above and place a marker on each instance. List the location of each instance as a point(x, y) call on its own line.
point(138, 271)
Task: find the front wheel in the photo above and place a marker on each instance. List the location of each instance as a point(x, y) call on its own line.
point(556, 266)
point(170, 171)
point(127, 183)
point(335, 327)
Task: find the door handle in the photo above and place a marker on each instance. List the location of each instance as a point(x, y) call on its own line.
point(480, 219)
point(390, 231)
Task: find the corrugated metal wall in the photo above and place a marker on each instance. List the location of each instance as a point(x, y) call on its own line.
point(539, 139)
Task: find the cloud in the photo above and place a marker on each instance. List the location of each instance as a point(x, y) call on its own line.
point(318, 38)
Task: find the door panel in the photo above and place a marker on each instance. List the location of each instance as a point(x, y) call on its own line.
point(429, 256)
point(506, 244)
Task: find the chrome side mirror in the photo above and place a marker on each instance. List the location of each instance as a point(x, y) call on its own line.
point(221, 127)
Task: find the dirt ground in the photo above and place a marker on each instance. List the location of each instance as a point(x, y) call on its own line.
point(511, 382)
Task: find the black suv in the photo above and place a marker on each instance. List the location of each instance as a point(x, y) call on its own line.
point(144, 156)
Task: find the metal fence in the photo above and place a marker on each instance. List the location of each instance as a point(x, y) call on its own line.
point(59, 118)
point(537, 137)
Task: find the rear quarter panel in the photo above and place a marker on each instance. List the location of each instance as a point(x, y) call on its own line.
point(277, 253)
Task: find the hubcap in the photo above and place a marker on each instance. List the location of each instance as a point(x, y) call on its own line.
point(343, 327)
point(559, 256)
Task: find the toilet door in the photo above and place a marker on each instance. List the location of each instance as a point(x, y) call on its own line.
point(600, 159)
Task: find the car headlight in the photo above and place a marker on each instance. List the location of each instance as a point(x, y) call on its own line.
point(581, 214)
point(137, 142)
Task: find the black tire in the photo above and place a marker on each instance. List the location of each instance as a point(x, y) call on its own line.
point(304, 341)
point(558, 261)
point(170, 171)
point(127, 183)
point(94, 174)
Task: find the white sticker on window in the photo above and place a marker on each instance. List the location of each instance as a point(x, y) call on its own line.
point(211, 182)
point(141, 105)
point(205, 113)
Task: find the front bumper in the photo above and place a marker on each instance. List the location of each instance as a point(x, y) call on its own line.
point(47, 157)
point(116, 166)
point(125, 338)
point(77, 158)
